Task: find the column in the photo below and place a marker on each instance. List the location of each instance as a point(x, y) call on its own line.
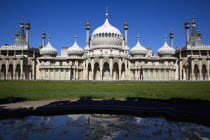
point(92, 68)
point(126, 69)
point(70, 74)
point(64, 74)
point(48, 74)
point(180, 70)
point(21, 69)
point(59, 74)
point(207, 67)
point(53, 74)
point(139, 74)
point(136, 74)
point(120, 68)
point(14, 68)
point(164, 76)
point(74, 74)
point(192, 70)
point(110, 67)
point(200, 70)
point(101, 68)
point(77, 71)
point(33, 69)
point(159, 74)
point(7, 69)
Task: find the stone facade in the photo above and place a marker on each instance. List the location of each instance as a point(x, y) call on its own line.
point(105, 57)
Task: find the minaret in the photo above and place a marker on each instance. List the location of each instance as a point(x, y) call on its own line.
point(43, 39)
point(171, 36)
point(126, 32)
point(87, 27)
point(28, 27)
point(194, 32)
point(21, 32)
point(187, 26)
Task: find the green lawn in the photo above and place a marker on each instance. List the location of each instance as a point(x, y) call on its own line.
point(43, 90)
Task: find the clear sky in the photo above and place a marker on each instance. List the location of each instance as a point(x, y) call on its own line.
point(61, 19)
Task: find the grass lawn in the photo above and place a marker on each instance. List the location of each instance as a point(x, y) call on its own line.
point(44, 90)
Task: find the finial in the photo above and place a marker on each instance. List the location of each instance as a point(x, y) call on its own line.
point(107, 12)
point(75, 38)
point(49, 38)
point(138, 37)
point(193, 19)
point(22, 19)
point(165, 38)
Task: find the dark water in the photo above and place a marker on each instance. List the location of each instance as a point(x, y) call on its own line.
point(98, 126)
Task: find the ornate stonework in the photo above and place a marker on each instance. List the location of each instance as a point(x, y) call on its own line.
point(105, 57)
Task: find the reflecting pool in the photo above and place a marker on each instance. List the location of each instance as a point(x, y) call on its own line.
point(99, 126)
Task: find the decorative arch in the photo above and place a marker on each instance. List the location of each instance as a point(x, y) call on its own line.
point(29, 72)
point(115, 71)
point(89, 72)
point(123, 71)
point(96, 71)
point(106, 71)
point(204, 72)
point(17, 71)
point(184, 72)
point(196, 72)
point(10, 72)
point(3, 71)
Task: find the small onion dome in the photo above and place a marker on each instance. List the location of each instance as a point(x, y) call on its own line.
point(138, 50)
point(187, 24)
point(166, 50)
point(48, 50)
point(75, 49)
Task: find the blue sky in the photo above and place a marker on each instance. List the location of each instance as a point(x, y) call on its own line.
point(61, 19)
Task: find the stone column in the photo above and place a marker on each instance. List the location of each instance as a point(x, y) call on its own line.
point(207, 67)
point(110, 67)
point(53, 74)
point(77, 71)
point(48, 74)
point(101, 68)
point(7, 69)
point(180, 70)
point(164, 76)
point(192, 69)
point(92, 68)
point(33, 69)
point(74, 75)
point(21, 69)
point(126, 70)
point(59, 74)
point(14, 68)
point(139, 74)
point(200, 70)
point(120, 68)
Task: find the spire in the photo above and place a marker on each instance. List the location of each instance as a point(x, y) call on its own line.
point(138, 37)
point(49, 39)
point(21, 32)
point(75, 38)
point(194, 32)
point(107, 14)
point(28, 25)
point(165, 38)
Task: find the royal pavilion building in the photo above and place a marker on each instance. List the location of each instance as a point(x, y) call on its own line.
point(106, 56)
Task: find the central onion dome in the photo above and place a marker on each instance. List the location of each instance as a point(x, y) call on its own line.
point(106, 36)
point(166, 50)
point(75, 50)
point(48, 50)
point(138, 50)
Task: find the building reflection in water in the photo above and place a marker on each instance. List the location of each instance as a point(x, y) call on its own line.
point(97, 126)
